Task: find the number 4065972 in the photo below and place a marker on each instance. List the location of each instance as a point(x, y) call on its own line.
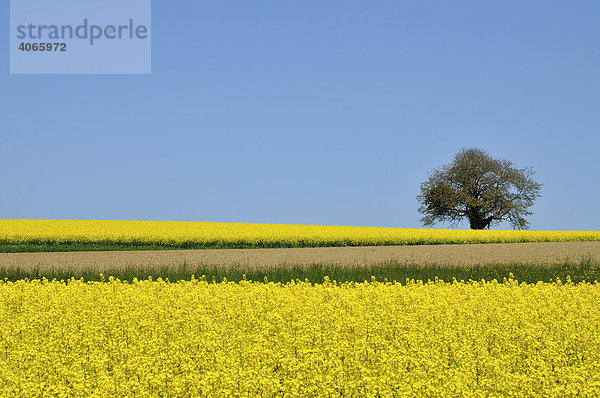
point(43, 47)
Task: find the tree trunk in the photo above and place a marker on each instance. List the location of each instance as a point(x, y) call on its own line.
point(477, 223)
point(477, 220)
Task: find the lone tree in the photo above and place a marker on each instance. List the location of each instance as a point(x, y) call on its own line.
point(481, 188)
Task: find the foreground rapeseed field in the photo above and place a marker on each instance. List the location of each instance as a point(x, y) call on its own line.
point(76, 234)
point(156, 338)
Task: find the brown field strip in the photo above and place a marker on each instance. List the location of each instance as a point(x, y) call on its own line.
point(467, 254)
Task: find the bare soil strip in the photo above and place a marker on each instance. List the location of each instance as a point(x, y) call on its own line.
point(451, 255)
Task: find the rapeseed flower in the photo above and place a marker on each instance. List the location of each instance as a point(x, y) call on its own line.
point(194, 338)
point(214, 235)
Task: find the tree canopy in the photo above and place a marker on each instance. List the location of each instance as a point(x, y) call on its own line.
point(478, 187)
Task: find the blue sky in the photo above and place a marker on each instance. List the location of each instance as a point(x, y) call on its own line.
point(312, 112)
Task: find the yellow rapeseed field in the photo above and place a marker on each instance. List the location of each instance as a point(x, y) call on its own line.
point(210, 234)
point(156, 338)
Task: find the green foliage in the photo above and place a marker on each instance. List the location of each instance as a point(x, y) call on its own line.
point(480, 188)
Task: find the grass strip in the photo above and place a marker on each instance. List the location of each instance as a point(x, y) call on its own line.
point(47, 246)
point(584, 270)
point(36, 246)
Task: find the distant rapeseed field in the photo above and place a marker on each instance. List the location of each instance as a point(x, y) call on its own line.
point(79, 233)
point(155, 338)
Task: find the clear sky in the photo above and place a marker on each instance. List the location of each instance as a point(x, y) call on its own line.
point(311, 112)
